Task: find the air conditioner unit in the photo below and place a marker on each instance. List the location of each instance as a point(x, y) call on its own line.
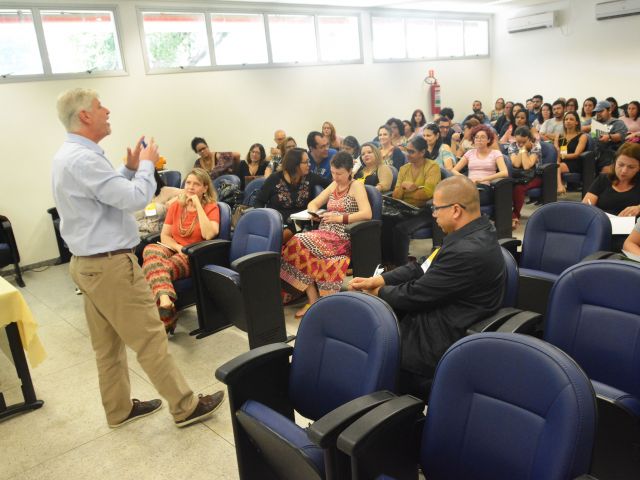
point(531, 22)
point(619, 8)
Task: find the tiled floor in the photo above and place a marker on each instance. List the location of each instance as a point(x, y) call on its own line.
point(69, 439)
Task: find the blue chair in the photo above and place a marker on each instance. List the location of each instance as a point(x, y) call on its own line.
point(547, 170)
point(171, 178)
point(394, 174)
point(502, 407)
point(251, 190)
point(240, 283)
point(347, 353)
point(594, 317)
point(556, 236)
point(428, 232)
point(63, 249)
point(366, 249)
point(585, 178)
point(9, 254)
point(500, 208)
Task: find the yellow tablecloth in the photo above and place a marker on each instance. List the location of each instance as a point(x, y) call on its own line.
point(13, 308)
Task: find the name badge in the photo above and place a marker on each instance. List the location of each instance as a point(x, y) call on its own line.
point(150, 210)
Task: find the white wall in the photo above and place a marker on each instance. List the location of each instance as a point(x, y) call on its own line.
point(231, 109)
point(581, 58)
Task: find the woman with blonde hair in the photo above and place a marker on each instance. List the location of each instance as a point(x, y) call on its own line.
point(329, 132)
point(194, 217)
point(373, 171)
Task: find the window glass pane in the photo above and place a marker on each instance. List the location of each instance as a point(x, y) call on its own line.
point(293, 38)
point(476, 37)
point(176, 39)
point(388, 37)
point(79, 41)
point(239, 39)
point(421, 38)
point(19, 54)
point(450, 40)
point(339, 38)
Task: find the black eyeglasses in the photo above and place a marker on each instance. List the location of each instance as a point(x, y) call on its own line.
point(434, 209)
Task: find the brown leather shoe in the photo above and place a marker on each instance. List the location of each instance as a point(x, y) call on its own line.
point(207, 404)
point(139, 410)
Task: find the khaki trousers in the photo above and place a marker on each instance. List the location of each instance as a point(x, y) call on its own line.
point(120, 311)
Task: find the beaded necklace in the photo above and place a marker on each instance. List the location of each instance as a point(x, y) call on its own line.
point(186, 232)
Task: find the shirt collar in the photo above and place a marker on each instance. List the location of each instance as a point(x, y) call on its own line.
point(75, 138)
point(478, 224)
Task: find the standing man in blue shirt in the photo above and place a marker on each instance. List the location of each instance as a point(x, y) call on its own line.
point(96, 205)
point(320, 154)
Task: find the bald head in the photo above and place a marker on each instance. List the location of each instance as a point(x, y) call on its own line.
point(459, 189)
point(279, 136)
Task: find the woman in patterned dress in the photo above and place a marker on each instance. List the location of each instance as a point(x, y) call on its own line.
point(316, 262)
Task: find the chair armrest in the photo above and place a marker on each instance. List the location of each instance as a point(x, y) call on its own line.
point(208, 252)
point(586, 477)
point(523, 322)
point(324, 432)
point(258, 360)
point(366, 250)
point(252, 261)
point(502, 206)
point(492, 323)
point(511, 245)
point(501, 182)
point(7, 233)
point(53, 211)
point(151, 238)
point(599, 255)
point(549, 174)
point(588, 160)
point(364, 225)
point(386, 440)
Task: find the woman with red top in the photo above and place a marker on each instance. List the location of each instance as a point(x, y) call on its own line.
point(193, 218)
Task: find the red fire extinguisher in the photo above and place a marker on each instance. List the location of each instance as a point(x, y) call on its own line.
point(434, 92)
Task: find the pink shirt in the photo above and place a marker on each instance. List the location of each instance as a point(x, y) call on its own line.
point(632, 125)
point(482, 167)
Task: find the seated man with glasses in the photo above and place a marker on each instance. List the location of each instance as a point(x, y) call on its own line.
point(460, 283)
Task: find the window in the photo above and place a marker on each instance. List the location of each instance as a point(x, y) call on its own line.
point(176, 40)
point(476, 37)
point(388, 38)
point(293, 38)
point(450, 38)
point(239, 39)
point(81, 41)
point(339, 38)
point(421, 38)
point(19, 52)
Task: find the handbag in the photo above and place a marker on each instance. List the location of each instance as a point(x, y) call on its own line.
point(522, 176)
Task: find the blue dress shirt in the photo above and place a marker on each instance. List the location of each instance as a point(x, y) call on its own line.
point(96, 202)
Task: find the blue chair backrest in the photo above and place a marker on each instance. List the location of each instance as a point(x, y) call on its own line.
point(317, 190)
point(444, 173)
point(394, 174)
point(224, 232)
point(509, 164)
point(594, 316)
point(549, 153)
point(231, 179)
point(258, 230)
point(171, 178)
point(506, 406)
point(348, 345)
point(504, 148)
point(511, 288)
point(251, 190)
point(561, 234)
point(592, 144)
point(375, 200)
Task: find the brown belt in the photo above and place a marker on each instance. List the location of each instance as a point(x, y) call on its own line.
point(109, 254)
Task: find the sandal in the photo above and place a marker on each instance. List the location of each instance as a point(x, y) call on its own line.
point(300, 313)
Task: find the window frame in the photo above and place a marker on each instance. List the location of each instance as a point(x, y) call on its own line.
point(47, 74)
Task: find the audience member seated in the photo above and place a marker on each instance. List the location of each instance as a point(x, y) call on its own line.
point(289, 190)
point(150, 219)
point(607, 142)
point(534, 109)
point(544, 115)
point(214, 163)
point(632, 243)
point(437, 150)
point(524, 153)
point(329, 132)
point(505, 119)
point(570, 145)
point(418, 120)
point(586, 114)
point(415, 185)
point(192, 218)
point(484, 163)
point(456, 286)
point(320, 154)
point(447, 112)
point(408, 129)
point(316, 262)
point(476, 108)
point(615, 109)
point(275, 154)
point(446, 132)
point(462, 143)
point(351, 145)
point(497, 111)
point(391, 155)
point(373, 171)
point(275, 165)
point(618, 192)
point(253, 166)
point(571, 105)
point(519, 120)
point(553, 127)
point(397, 133)
point(632, 122)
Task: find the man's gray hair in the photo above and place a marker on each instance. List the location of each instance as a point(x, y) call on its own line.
point(71, 103)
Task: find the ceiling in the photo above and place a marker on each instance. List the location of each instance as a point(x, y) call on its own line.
point(471, 6)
